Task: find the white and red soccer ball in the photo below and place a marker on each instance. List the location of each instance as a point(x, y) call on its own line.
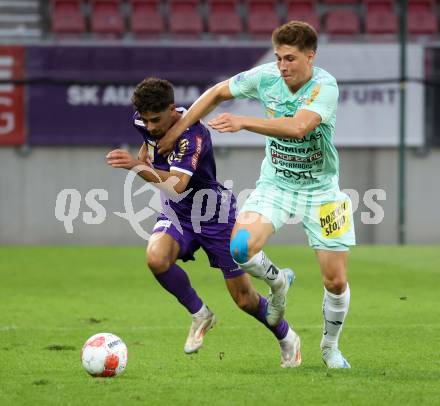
point(104, 354)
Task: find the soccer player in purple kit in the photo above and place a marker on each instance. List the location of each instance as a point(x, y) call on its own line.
point(190, 167)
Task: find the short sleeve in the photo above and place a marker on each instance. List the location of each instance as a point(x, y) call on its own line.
point(245, 84)
point(323, 101)
point(186, 156)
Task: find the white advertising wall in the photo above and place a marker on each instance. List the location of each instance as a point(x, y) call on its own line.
point(368, 115)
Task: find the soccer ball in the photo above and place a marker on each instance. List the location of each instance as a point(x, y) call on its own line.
point(104, 354)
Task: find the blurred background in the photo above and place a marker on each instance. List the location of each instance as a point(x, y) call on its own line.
point(68, 68)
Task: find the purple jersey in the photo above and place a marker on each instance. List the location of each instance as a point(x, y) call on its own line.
point(193, 155)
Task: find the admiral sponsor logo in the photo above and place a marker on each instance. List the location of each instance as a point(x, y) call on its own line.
point(294, 150)
point(295, 175)
point(195, 157)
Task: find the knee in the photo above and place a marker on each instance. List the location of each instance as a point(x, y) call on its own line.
point(336, 285)
point(243, 246)
point(158, 263)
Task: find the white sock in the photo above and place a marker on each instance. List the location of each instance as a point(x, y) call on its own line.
point(288, 339)
point(334, 309)
point(203, 312)
point(261, 267)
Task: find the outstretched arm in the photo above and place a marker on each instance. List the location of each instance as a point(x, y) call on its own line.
point(285, 127)
point(207, 102)
point(120, 158)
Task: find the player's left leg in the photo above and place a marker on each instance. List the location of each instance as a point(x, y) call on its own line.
point(250, 233)
point(164, 247)
point(248, 300)
point(335, 304)
point(265, 211)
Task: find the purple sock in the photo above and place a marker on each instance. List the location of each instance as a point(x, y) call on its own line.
point(279, 331)
point(176, 281)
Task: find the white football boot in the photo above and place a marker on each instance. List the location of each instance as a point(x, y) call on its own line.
point(333, 358)
point(276, 302)
point(199, 327)
point(290, 347)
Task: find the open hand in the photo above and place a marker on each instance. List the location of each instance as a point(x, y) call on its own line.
point(120, 158)
point(226, 122)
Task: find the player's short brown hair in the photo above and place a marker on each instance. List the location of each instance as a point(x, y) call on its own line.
point(153, 95)
point(296, 33)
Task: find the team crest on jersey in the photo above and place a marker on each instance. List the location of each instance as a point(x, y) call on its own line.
point(183, 146)
point(171, 158)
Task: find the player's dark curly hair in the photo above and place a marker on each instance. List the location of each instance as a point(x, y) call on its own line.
point(296, 33)
point(153, 95)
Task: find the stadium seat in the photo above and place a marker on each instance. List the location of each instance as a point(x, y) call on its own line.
point(67, 17)
point(145, 19)
point(380, 17)
point(342, 22)
point(340, 2)
point(422, 18)
point(106, 20)
point(421, 5)
point(262, 17)
point(303, 10)
point(379, 6)
point(223, 18)
point(185, 20)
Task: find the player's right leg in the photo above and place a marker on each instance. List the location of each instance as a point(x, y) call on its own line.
point(162, 253)
point(251, 232)
point(248, 300)
point(335, 304)
point(329, 227)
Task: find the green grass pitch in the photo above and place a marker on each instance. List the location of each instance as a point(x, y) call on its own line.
point(52, 299)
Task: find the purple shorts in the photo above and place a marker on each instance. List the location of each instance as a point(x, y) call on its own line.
point(213, 238)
